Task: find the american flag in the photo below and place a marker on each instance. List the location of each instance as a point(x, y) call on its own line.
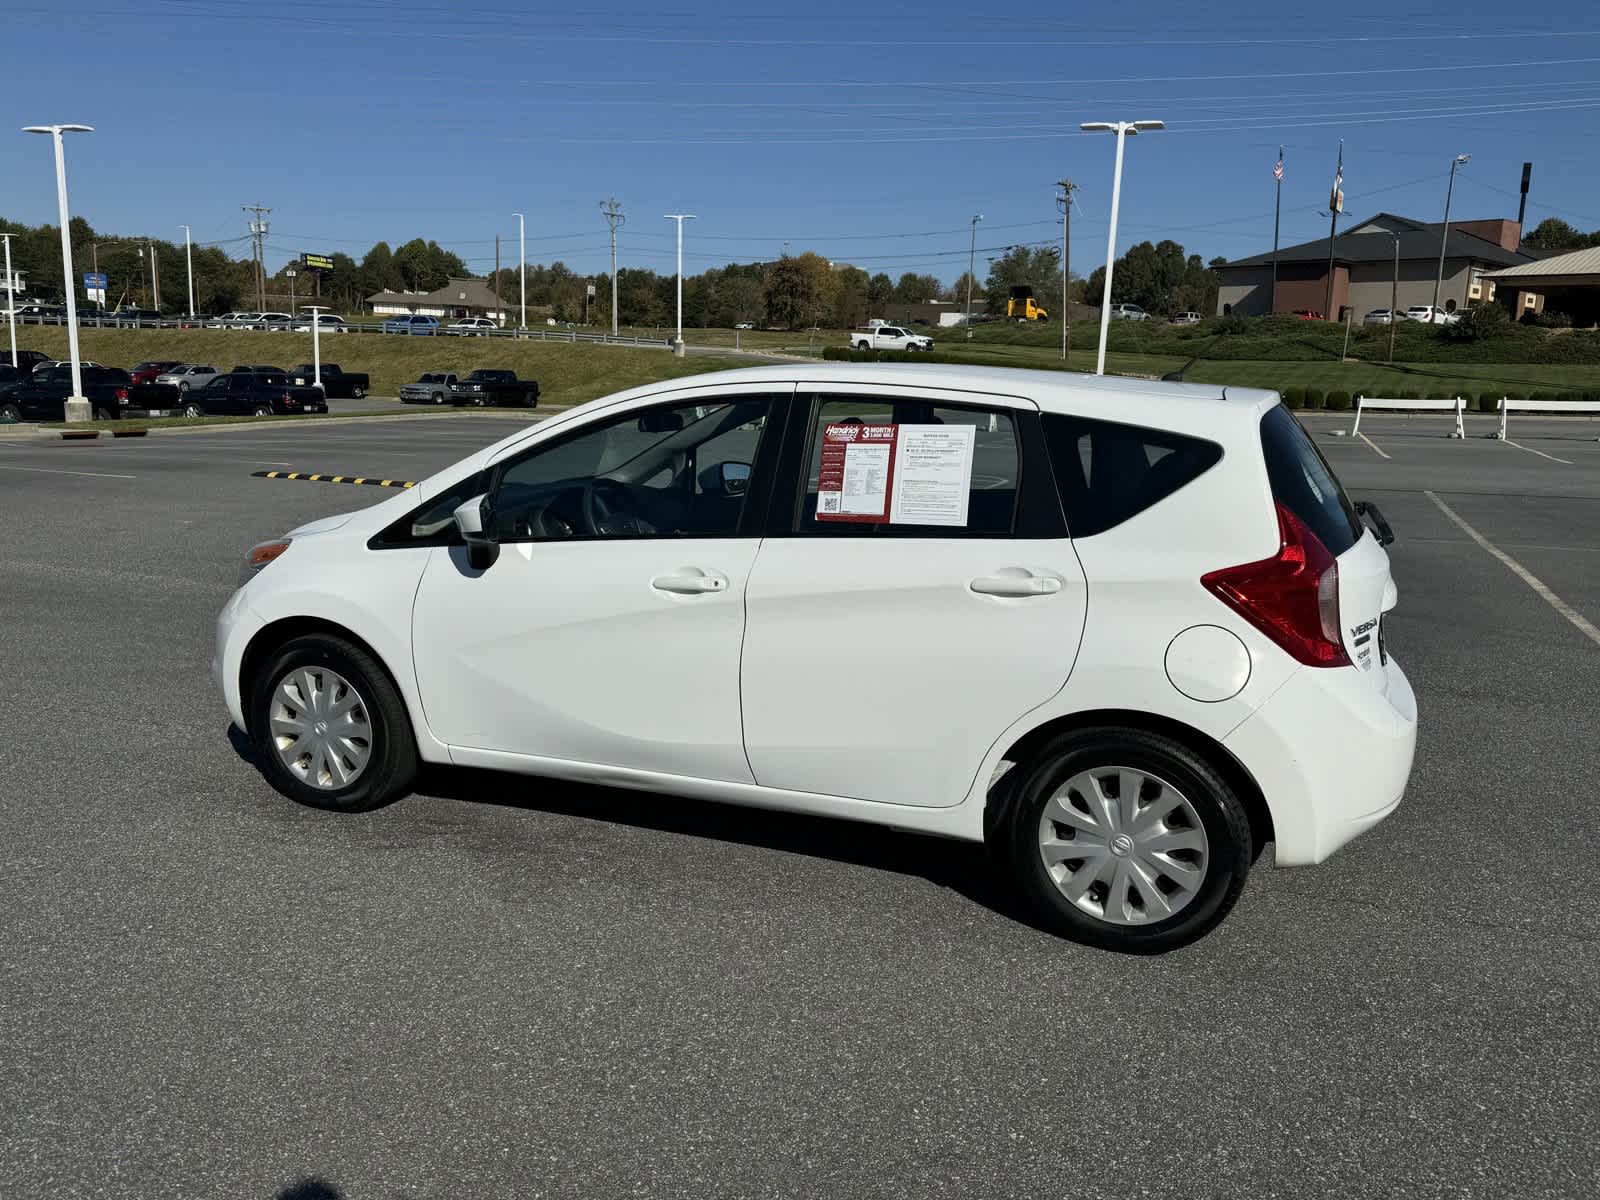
point(1277, 171)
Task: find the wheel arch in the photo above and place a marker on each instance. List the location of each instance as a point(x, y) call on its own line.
point(1212, 751)
point(270, 636)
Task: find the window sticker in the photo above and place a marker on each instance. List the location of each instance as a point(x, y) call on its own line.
point(856, 473)
point(932, 474)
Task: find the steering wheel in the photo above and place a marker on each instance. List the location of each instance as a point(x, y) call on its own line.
point(607, 509)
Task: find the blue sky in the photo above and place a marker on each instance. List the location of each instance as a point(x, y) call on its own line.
point(870, 133)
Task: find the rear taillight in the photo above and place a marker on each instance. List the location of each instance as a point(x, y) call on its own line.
point(122, 393)
point(1292, 597)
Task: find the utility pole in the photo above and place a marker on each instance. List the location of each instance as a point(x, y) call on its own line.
point(1064, 202)
point(497, 298)
point(11, 298)
point(1459, 160)
point(289, 273)
point(188, 254)
point(1277, 210)
point(614, 218)
point(1394, 297)
point(972, 259)
point(155, 278)
point(258, 237)
point(1335, 206)
point(522, 261)
point(680, 218)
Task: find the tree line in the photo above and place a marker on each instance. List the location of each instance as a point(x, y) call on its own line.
point(793, 292)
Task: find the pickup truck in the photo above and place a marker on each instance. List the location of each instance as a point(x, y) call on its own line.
point(336, 384)
point(241, 393)
point(436, 387)
point(485, 386)
point(42, 396)
point(888, 337)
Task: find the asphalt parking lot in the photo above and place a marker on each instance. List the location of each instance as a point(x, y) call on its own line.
point(504, 987)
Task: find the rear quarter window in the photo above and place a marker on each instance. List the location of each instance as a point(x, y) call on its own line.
point(1303, 482)
point(1107, 472)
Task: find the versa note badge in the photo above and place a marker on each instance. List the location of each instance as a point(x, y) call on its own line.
point(1360, 636)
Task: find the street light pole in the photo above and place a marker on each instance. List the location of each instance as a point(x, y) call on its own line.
point(1394, 297)
point(522, 265)
point(972, 260)
point(680, 218)
point(1123, 130)
point(77, 408)
point(11, 298)
point(188, 255)
point(1459, 160)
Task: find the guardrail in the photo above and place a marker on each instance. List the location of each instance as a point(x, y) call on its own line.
point(1456, 406)
point(538, 334)
point(1508, 406)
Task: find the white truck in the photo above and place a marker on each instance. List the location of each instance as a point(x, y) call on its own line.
point(888, 337)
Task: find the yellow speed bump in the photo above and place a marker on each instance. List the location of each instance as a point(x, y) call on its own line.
point(321, 478)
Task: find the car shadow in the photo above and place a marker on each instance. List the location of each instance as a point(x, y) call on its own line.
point(310, 1188)
point(965, 868)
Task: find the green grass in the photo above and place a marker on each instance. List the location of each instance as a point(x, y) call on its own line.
point(567, 373)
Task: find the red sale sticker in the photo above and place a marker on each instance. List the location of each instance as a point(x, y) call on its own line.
point(856, 478)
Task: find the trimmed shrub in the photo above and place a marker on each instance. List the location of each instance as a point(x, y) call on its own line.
point(1314, 397)
point(1489, 401)
point(1337, 401)
point(1294, 397)
point(1545, 396)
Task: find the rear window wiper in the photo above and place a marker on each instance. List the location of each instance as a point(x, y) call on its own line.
point(1366, 508)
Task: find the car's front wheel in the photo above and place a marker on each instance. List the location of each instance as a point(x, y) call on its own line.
point(192, 410)
point(329, 726)
point(1127, 840)
point(358, 393)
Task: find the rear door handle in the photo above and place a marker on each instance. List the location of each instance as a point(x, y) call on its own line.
point(1016, 581)
point(690, 582)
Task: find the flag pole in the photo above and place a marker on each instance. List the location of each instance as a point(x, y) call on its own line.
point(1335, 203)
point(1277, 210)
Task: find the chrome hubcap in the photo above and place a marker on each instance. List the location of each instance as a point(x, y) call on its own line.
point(320, 727)
point(1123, 845)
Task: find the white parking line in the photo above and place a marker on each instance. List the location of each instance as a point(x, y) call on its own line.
point(55, 471)
point(1531, 450)
point(1522, 572)
point(1372, 443)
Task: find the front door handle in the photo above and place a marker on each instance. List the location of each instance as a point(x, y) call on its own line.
point(1016, 581)
point(690, 582)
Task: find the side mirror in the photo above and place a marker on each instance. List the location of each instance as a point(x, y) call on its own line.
point(734, 478)
point(482, 549)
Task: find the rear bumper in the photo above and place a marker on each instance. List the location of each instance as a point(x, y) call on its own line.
point(1332, 757)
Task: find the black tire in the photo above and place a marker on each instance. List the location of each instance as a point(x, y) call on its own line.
point(358, 393)
point(438, 397)
point(192, 410)
point(1223, 816)
point(863, 346)
point(102, 414)
point(183, 386)
point(10, 412)
point(392, 765)
point(262, 410)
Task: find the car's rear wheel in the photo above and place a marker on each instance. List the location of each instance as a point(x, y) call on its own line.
point(192, 410)
point(262, 410)
point(329, 726)
point(358, 393)
point(183, 385)
point(1127, 840)
point(10, 413)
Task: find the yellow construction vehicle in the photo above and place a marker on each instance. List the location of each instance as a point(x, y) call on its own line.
point(1021, 306)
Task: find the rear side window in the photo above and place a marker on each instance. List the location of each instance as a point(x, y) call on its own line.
point(1107, 472)
point(1303, 482)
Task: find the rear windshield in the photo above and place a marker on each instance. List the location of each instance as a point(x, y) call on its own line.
point(1107, 472)
point(1303, 482)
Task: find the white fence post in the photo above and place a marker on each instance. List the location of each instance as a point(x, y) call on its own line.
point(1461, 429)
point(1504, 413)
point(1356, 428)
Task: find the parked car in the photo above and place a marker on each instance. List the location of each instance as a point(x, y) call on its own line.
point(1378, 316)
point(888, 337)
point(1186, 318)
point(136, 316)
point(1427, 314)
point(485, 386)
point(252, 393)
point(42, 396)
point(27, 360)
point(270, 322)
point(51, 364)
point(187, 375)
point(325, 323)
point(336, 384)
point(436, 387)
point(233, 320)
point(418, 326)
point(246, 369)
point(147, 372)
point(1128, 312)
point(472, 327)
point(1306, 314)
point(40, 314)
point(10, 377)
point(745, 325)
point(1131, 695)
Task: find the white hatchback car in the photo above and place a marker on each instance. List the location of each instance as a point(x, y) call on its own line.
point(1126, 632)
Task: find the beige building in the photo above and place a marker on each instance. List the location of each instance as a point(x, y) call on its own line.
point(1568, 283)
point(1364, 270)
point(457, 298)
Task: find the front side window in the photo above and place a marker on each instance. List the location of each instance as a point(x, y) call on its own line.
point(888, 466)
point(680, 471)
